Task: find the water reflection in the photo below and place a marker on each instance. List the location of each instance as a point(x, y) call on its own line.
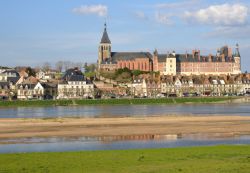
point(117, 142)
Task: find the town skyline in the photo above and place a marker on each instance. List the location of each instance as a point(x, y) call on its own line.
point(31, 37)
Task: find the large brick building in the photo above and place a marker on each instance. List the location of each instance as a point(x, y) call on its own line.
point(224, 62)
point(108, 60)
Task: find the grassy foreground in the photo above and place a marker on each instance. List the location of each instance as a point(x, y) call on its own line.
point(216, 159)
point(112, 101)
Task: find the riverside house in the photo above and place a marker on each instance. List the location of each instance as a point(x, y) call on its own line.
point(75, 87)
point(32, 88)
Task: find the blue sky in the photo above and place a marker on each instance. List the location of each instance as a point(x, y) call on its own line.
point(34, 32)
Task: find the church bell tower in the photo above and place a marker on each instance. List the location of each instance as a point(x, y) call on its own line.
point(237, 61)
point(104, 52)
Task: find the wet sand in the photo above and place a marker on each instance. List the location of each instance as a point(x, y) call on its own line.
point(167, 125)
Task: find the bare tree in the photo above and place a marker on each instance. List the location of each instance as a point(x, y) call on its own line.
point(59, 66)
point(79, 65)
point(37, 68)
point(46, 66)
point(67, 65)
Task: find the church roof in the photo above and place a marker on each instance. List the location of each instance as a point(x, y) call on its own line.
point(76, 78)
point(118, 56)
point(105, 37)
point(130, 55)
point(162, 57)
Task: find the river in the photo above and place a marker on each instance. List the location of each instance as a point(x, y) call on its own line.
point(237, 107)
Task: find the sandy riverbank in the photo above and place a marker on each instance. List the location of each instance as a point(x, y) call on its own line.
point(168, 125)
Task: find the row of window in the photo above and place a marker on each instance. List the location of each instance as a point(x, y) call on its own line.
point(105, 48)
point(77, 83)
point(30, 92)
point(140, 65)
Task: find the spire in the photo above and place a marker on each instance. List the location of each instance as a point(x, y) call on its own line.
point(155, 52)
point(237, 52)
point(105, 37)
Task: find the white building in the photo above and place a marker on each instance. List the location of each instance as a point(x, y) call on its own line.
point(26, 91)
point(139, 88)
point(75, 87)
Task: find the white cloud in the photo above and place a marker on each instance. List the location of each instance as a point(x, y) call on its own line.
point(224, 15)
point(140, 15)
point(163, 18)
point(182, 4)
point(100, 10)
point(229, 32)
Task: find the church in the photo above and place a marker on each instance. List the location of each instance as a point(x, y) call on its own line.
point(225, 62)
point(108, 60)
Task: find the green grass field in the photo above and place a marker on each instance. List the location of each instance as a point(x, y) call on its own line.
point(216, 159)
point(27, 103)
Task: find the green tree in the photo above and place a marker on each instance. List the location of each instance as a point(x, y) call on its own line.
point(30, 72)
point(136, 72)
point(124, 77)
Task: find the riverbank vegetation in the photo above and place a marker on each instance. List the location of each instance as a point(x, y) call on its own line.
point(24, 103)
point(216, 159)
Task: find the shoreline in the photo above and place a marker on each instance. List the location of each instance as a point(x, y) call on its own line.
point(123, 101)
point(216, 125)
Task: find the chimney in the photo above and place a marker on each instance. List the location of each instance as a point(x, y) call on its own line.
point(210, 57)
point(199, 55)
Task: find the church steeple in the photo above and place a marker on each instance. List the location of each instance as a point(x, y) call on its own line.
point(105, 37)
point(237, 52)
point(104, 52)
point(237, 61)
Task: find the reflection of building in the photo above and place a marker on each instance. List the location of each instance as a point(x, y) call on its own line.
point(108, 60)
point(139, 137)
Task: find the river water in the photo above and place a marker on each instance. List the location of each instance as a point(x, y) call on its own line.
point(237, 107)
point(79, 144)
